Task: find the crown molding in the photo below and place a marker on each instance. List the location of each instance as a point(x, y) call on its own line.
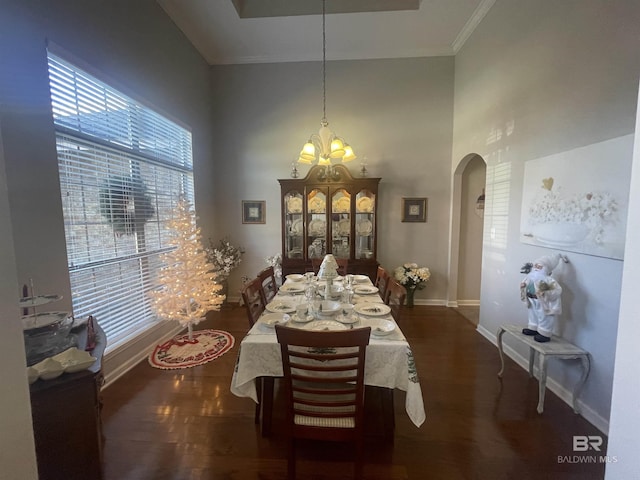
point(434, 52)
point(471, 24)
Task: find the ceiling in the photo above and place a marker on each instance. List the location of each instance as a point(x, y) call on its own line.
point(274, 31)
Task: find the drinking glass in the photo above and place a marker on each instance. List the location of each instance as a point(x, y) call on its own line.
point(309, 292)
point(301, 311)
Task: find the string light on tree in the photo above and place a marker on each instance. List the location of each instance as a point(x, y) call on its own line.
point(188, 288)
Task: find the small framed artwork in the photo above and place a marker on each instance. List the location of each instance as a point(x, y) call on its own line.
point(253, 211)
point(414, 209)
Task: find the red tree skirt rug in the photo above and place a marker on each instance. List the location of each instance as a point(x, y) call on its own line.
point(180, 352)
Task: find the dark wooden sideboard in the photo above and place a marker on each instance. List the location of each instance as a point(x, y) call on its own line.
point(66, 419)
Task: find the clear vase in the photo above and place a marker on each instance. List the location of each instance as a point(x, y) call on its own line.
point(409, 300)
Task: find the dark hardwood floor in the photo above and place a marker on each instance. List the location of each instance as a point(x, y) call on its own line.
point(185, 424)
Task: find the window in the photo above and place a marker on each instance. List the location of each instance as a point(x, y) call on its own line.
point(122, 169)
point(497, 204)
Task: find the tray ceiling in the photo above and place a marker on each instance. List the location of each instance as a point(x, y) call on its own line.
point(267, 31)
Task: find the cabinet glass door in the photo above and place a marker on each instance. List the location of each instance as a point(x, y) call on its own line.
point(294, 224)
point(365, 224)
point(341, 223)
point(316, 223)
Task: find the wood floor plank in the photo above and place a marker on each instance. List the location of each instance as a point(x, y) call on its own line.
point(186, 425)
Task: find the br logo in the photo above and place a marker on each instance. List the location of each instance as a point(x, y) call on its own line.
point(583, 443)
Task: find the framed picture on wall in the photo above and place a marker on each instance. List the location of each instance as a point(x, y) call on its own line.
point(253, 211)
point(414, 209)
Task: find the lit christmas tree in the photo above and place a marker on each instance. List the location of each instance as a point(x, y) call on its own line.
point(188, 288)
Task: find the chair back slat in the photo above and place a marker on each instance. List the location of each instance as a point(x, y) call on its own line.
point(382, 281)
point(268, 284)
point(396, 295)
point(253, 300)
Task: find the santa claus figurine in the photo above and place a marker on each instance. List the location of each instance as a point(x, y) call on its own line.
point(540, 291)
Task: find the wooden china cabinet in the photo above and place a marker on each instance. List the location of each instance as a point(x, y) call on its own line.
point(329, 211)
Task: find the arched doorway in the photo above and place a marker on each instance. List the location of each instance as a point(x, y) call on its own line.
point(466, 236)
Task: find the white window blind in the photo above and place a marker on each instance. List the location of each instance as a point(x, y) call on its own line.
point(122, 170)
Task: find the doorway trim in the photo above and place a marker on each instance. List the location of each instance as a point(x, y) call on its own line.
point(454, 232)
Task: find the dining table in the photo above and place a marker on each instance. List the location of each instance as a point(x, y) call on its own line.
point(389, 359)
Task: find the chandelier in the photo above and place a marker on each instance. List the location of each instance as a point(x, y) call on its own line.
point(324, 146)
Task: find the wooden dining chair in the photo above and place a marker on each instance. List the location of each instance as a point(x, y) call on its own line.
point(324, 384)
point(396, 295)
point(382, 282)
point(268, 284)
point(253, 300)
point(254, 304)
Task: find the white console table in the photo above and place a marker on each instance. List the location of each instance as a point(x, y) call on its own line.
point(558, 347)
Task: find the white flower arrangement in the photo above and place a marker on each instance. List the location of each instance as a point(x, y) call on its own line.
point(594, 210)
point(224, 257)
point(412, 276)
point(275, 261)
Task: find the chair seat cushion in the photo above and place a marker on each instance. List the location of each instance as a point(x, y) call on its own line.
point(340, 422)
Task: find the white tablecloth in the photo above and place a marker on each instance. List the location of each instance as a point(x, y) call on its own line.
point(389, 361)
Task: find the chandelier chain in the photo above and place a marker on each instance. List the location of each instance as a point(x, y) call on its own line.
point(324, 66)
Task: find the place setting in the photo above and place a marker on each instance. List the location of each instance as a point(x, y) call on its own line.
point(281, 306)
point(372, 309)
point(365, 289)
point(292, 289)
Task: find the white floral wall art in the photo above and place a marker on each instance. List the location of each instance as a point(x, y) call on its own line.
point(577, 200)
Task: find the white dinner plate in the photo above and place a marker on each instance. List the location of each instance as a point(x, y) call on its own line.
point(326, 308)
point(316, 205)
point(372, 309)
point(297, 227)
point(341, 205)
point(381, 327)
point(364, 204)
point(292, 288)
point(295, 277)
point(364, 228)
point(344, 227)
point(360, 278)
point(280, 306)
point(317, 227)
point(347, 319)
point(365, 289)
point(304, 319)
point(325, 325)
point(272, 319)
point(294, 205)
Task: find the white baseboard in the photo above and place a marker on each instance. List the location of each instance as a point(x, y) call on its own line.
point(431, 302)
point(468, 303)
point(122, 359)
point(566, 395)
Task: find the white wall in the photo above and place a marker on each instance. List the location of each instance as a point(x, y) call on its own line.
point(538, 78)
point(397, 113)
point(625, 420)
point(17, 450)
